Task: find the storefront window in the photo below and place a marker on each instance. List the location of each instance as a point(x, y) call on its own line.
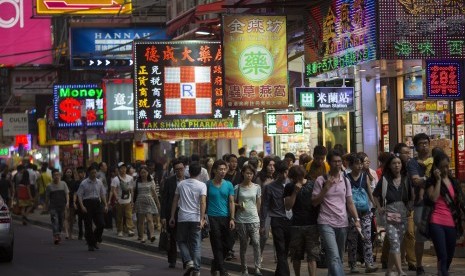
point(336, 125)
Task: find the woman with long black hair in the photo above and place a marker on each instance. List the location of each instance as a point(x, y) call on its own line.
point(444, 192)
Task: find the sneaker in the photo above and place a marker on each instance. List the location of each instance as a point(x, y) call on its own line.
point(120, 234)
point(131, 234)
point(420, 271)
point(353, 269)
point(371, 268)
point(189, 268)
point(257, 272)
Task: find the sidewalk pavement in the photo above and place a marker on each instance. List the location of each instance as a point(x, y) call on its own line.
point(268, 264)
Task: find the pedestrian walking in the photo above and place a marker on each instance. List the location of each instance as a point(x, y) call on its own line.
point(392, 195)
point(305, 238)
point(23, 192)
point(445, 224)
point(363, 199)
point(273, 206)
point(93, 202)
point(190, 196)
point(333, 194)
point(221, 216)
point(121, 189)
point(146, 204)
point(169, 189)
point(56, 203)
point(70, 212)
point(247, 203)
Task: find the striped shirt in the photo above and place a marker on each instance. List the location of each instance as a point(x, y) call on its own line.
point(91, 189)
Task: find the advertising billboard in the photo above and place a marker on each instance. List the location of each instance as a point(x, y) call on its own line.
point(256, 75)
point(15, 124)
point(108, 47)
point(74, 102)
point(179, 85)
point(338, 34)
point(119, 98)
point(24, 39)
point(79, 7)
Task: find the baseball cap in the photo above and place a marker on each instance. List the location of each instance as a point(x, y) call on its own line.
point(120, 164)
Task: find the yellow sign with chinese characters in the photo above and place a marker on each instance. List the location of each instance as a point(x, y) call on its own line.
point(74, 7)
point(255, 60)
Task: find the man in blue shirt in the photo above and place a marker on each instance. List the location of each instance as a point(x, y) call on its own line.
point(220, 211)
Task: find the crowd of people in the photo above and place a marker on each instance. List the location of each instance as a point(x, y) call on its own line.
point(316, 208)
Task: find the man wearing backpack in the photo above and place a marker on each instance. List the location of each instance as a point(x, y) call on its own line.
point(305, 237)
point(333, 194)
point(121, 189)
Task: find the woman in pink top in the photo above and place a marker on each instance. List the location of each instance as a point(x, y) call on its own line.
point(445, 222)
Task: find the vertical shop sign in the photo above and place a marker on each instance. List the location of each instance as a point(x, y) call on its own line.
point(255, 63)
point(443, 79)
point(179, 85)
point(421, 29)
point(338, 34)
point(119, 100)
point(72, 102)
point(460, 139)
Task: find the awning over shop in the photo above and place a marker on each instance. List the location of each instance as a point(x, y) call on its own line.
point(192, 134)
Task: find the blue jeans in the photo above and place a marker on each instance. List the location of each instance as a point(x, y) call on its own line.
point(334, 243)
point(444, 238)
point(57, 216)
point(189, 242)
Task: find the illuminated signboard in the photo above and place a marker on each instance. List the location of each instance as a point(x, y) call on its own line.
point(72, 102)
point(77, 7)
point(413, 87)
point(107, 47)
point(325, 98)
point(257, 66)
point(421, 29)
point(284, 123)
point(4, 152)
point(119, 95)
point(338, 34)
point(443, 79)
point(179, 85)
point(25, 39)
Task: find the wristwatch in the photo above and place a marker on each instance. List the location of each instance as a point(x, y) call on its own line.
point(357, 219)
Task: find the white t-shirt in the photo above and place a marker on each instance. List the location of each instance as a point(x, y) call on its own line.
point(189, 191)
point(122, 188)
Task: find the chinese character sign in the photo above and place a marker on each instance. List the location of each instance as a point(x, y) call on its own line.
point(338, 34)
point(443, 79)
point(255, 62)
point(179, 85)
point(325, 98)
point(73, 102)
point(284, 123)
point(119, 99)
point(421, 29)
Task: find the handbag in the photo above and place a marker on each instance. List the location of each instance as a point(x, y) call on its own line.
point(164, 241)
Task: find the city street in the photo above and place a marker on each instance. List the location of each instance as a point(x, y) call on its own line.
point(35, 254)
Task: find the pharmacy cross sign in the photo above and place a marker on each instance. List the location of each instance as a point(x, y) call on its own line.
point(325, 98)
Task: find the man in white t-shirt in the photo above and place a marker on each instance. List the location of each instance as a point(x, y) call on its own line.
point(121, 189)
point(190, 196)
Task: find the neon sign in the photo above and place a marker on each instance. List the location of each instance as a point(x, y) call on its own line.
point(285, 123)
point(73, 102)
point(443, 79)
point(340, 33)
point(4, 152)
